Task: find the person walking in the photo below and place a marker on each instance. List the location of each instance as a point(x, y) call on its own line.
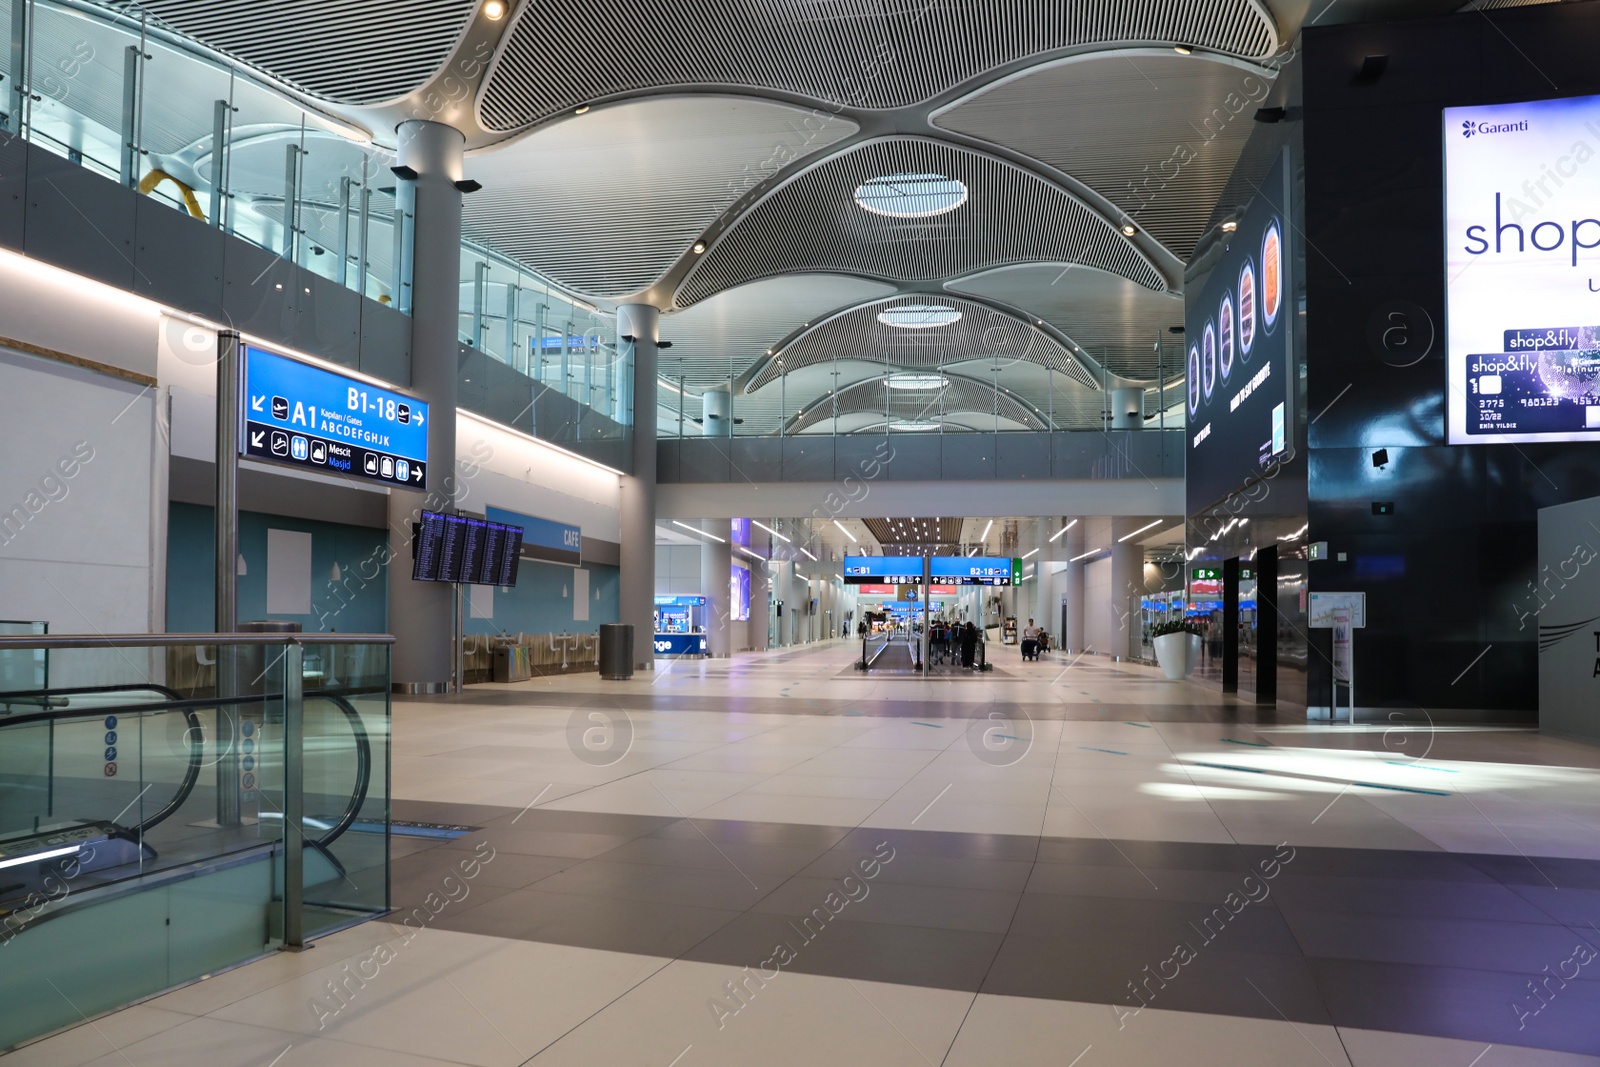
point(969, 646)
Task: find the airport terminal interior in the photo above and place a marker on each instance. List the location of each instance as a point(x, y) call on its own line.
point(797, 532)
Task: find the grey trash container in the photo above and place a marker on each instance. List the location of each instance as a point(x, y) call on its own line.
point(616, 651)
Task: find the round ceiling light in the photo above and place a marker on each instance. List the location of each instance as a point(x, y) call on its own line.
point(918, 382)
point(911, 196)
point(919, 316)
point(494, 10)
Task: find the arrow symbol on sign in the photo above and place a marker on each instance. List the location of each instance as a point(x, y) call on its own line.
point(255, 403)
point(419, 418)
point(416, 472)
point(255, 438)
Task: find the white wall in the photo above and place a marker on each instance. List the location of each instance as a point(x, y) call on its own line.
point(81, 536)
point(678, 570)
point(505, 469)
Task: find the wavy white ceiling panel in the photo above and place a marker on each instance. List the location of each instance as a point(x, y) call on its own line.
point(606, 202)
point(813, 222)
point(1157, 134)
point(1114, 320)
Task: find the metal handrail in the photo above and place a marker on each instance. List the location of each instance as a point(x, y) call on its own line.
point(170, 640)
point(187, 708)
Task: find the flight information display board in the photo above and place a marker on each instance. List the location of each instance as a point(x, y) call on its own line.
point(976, 570)
point(883, 570)
point(317, 419)
point(1523, 331)
point(455, 548)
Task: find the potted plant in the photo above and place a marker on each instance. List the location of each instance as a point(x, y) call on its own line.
point(1177, 645)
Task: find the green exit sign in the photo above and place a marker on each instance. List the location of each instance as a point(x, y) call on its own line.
point(1247, 574)
point(1206, 574)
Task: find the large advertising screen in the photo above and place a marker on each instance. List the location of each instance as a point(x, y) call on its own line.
point(1238, 330)
point(1522, 241)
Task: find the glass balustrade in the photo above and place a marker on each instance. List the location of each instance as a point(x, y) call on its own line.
point(173, 805)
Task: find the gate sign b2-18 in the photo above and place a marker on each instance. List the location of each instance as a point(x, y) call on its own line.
point(318, 419)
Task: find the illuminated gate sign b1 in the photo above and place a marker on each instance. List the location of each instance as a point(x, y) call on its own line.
point(317, 419)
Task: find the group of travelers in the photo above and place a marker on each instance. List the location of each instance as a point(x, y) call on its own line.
point(948, 640)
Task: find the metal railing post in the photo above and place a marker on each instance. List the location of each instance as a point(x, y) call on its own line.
point(294, 801)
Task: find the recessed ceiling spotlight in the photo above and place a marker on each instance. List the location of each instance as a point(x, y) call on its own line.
point(494, 10)
point(1129, 229)
point(1183, 49)
point(581, 110)
point(697, 247)
point(1229, 226)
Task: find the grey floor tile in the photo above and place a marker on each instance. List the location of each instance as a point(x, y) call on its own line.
point(936, 907)
point(872, 952)
point(614, 925)
point(915, 868)
point(693, 886)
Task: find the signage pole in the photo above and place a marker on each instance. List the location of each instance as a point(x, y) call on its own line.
point(227, 576)
point(927, 610)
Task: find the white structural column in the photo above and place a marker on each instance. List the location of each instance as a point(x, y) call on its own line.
point(716, 571)
point(422, 614)
point(760, 597)
point(1127, 588)
point(1042, 610)
point(1070, 546)
point(638, 511)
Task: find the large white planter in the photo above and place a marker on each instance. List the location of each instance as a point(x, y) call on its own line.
point(1177, 653)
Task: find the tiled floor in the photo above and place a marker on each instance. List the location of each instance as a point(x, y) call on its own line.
point(770, 860)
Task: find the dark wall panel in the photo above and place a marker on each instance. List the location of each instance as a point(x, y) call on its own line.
point(80, 221)
point(13, 190)
point(178, 261)
point(1446, 575)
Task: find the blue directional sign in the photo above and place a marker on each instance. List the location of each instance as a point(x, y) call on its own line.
point(319, 419)
point(882, 570)
point(680, 644)
point(973, 570)
point(543, 539)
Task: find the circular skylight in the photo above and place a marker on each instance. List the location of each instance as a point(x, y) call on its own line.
point(919, 316)
point(911, 196)
point(920, 382)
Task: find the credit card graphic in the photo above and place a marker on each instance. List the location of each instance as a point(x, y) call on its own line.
point(1549, 391)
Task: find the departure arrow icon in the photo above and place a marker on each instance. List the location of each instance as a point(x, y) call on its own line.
point(256, 402)
point(416, 472)
point(419, 418)
point(255, 438)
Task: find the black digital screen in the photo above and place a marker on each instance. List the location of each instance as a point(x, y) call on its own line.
point(454, 548)
point(1239, 313)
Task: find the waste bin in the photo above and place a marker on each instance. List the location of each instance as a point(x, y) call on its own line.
point(616, 651)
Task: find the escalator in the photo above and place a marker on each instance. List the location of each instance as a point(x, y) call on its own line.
point(894, 652)
point(111, 786)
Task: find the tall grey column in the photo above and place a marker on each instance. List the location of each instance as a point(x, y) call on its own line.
point(760, 608)
point(716, 568)
point(1127, 409)
point(1127, 589)
point(1071, 545)
point(422, 614)
point(638, 512)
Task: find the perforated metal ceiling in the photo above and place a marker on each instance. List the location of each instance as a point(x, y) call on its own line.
point(843, 53)
point(1117, 322)
point(981, 333)
point(346, 51)
point(607, 203)
point(915, 531)
point(812, 223)
point(1155, 133)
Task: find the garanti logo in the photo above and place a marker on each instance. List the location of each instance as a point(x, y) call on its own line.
point(1470, 128)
